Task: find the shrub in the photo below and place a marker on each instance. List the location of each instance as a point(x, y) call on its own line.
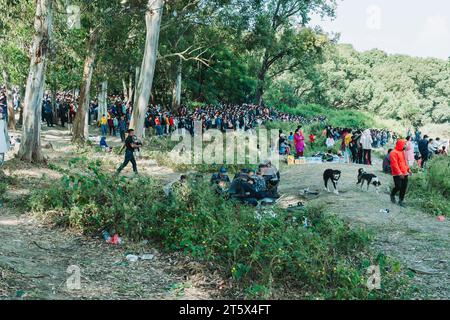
point(3, 189)
point(263, 250)
point(438, 175)
point(430, 189)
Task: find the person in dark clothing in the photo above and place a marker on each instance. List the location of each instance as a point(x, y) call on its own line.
point(129, 153)
point(112, 130)
point(122, 128)
point(48, 113)
point(63, 113)
point(387, 163)
point(221, 176)
point(423, 149)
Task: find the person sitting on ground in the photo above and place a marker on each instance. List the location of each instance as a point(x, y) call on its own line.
point(252, 188)
point(259, 183)
point(272, 176)
point(284, 146)
point(221, 176)
point(240, 188)
point(104, 145)
point(387, 162)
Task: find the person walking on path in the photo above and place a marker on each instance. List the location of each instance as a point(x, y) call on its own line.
point(129, 153)
point(400, 172)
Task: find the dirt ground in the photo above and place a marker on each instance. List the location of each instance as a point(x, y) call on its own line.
point(34, 258)
point(418, 240)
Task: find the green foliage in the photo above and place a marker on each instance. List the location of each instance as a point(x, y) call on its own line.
point(262, 250)
point(431, 189)
point(233, 51)
point(3, 189)
point(395, 86)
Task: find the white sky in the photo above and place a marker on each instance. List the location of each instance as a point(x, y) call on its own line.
point(414, 27)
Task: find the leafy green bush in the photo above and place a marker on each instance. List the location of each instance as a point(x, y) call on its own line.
point(3, 189)
point(431, 189)
point(438, 175)
point(261, 249)
point(5, 181)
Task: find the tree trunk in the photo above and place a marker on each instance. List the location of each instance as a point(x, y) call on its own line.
point(125, 90)
point(136, 81)
point(9, 101)
point(79, 123)
point(176, 95)
point(261, 79)
point(22, 94)
point(30, 146)
point(130, 88)
point(144, 87)
point(86, 123)
point(103, 100)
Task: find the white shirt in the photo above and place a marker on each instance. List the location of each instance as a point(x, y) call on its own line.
point(4, 140)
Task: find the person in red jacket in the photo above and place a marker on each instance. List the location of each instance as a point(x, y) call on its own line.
point(312, 139)
point(400, 171)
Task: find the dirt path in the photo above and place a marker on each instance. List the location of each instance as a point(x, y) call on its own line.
point(417, 239)
point(34, 258)
point(34, 261)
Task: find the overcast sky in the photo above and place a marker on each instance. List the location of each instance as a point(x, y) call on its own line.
point(413, 27)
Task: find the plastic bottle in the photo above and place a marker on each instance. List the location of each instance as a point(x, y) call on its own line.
point(385, 211)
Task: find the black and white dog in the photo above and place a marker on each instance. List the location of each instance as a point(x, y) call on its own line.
point(370, 178)
point(334, 176)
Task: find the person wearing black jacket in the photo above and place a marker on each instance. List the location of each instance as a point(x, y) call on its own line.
point(130, 146)
point(423, 149)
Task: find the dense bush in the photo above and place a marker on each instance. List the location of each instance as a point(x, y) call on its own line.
point(431, 189)
point(3, 188)
point(261, 249)
point(439, 174)
point(4, 182)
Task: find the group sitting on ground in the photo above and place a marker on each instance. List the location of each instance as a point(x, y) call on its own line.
point(248, 185)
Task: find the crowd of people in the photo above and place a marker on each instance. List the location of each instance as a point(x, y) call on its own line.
point(159, 120)
point(356, 145)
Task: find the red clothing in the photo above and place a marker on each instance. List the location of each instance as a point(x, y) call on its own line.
point(157, 121)
point(312, 138)
point(399, 166)
point(171, 121)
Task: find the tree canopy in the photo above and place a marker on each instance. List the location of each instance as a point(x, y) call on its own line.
point(226, 50)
